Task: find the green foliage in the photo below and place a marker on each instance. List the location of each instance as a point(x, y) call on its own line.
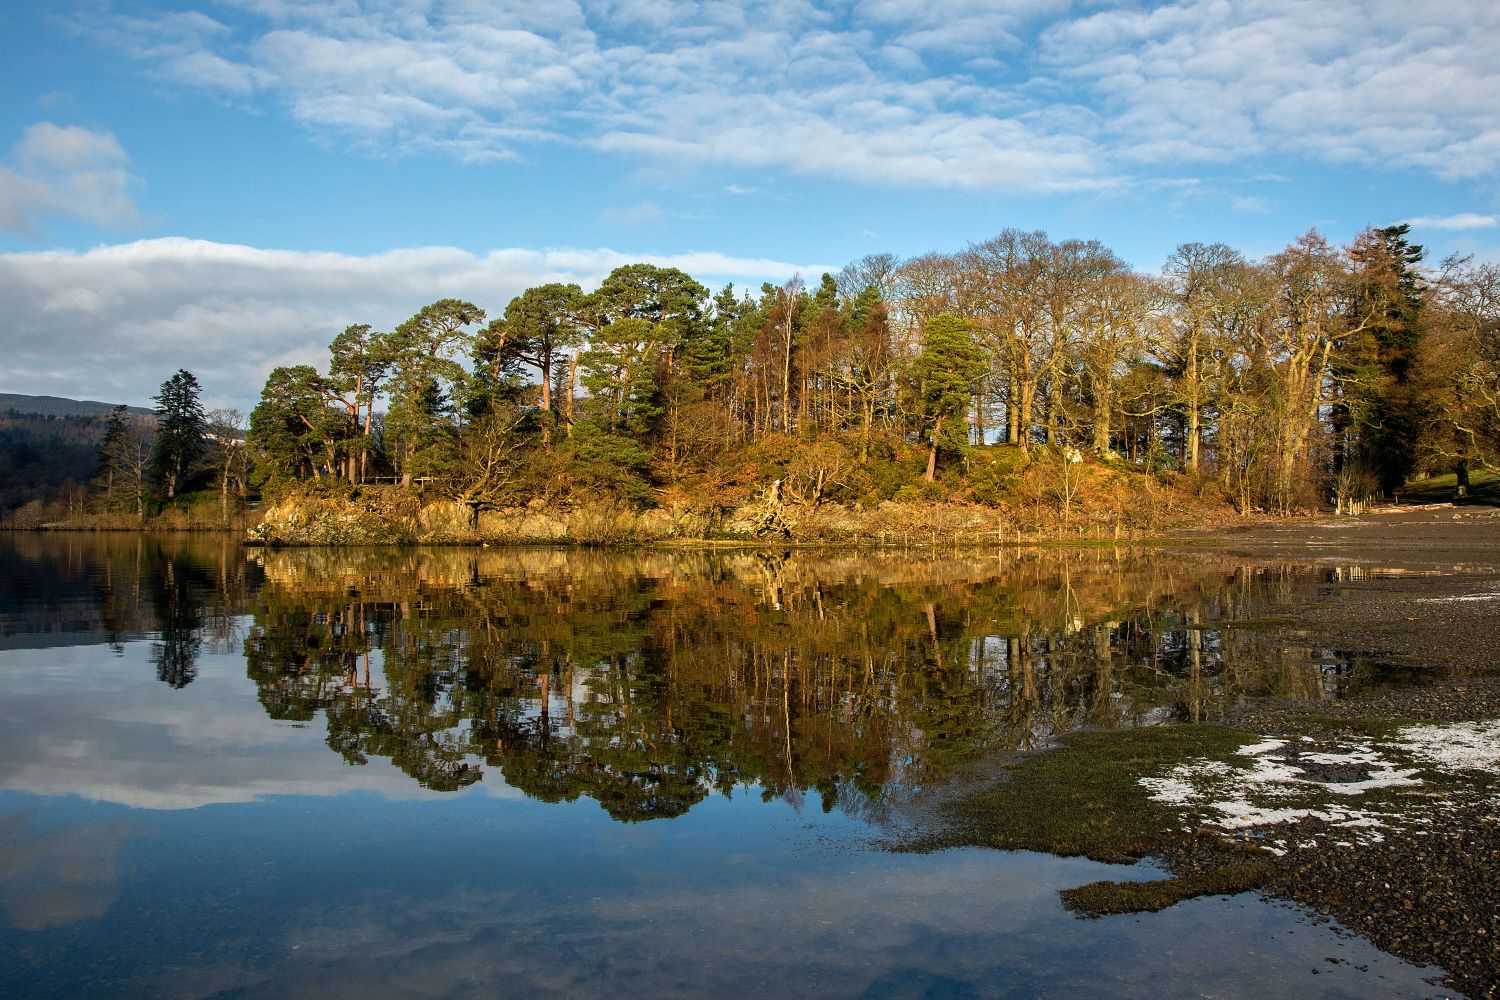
point(943, 377)
point(994, 474)
point(178, 449)
point(292, 426)
point(43, 456)
point(539, 325)
point(619, 371)
point(1099, 899)
point(1267, 382)
point(663, 296)
point(428, 386)
point(1084, 796)
point(1389, 293)
point(608, 463)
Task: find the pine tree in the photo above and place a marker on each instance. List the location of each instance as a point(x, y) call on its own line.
point(1389, 294)
point(124, 457)
point(945, 373)
point(116, 425)
point(180, 431)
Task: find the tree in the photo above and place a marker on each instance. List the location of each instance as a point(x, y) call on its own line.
point(359, 362)
point(944, 374)
point(1313, 317)
point(1117, 306)
point(180, 430)
point(1458, 371)
point(1387, 411)
point(540, 323)
point(488, 460)
point(116, 426)
point(1203, 280)
point(124, 462)
point(429, 385)
point(618, 371)
point(663, 296)
point(293, 428)
point(1005, 281)
point(228, 454)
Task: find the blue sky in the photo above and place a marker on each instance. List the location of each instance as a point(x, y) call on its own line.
point(224, 184)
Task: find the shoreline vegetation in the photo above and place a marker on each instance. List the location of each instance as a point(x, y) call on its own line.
point(1019, 387)
point(1108, 506)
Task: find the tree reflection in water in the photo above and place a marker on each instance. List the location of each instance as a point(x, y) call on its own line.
point(648, 681)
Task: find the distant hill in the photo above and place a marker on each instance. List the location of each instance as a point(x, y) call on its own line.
point(48, 443)
point(57, 406)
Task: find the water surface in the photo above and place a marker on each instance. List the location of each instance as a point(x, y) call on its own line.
point(482, 772)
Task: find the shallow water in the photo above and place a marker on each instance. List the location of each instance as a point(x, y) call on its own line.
point(479, 772)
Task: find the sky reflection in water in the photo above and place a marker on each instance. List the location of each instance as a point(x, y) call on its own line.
point(210, 837)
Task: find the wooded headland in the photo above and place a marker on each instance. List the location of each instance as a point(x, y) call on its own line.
point(1018, 384)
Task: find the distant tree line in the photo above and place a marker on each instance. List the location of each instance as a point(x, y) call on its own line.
point(46, 455)
point(1318, 371)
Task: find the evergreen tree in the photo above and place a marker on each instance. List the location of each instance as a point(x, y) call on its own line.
point(945, 373)
point(124, 463)
point(180, 429)
point(1385, 406)
point(116, 426)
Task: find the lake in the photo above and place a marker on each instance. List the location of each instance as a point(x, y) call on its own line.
point(231, 772)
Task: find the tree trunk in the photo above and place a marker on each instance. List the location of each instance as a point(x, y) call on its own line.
point(546, 367)
point(1102, 429)
point(1013, 413)
point(932, 452)
point(1192, 432)
point(1023, 415)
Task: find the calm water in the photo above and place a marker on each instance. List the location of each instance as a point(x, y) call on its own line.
point(482, 772)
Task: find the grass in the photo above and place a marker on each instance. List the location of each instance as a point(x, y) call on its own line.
point(1484, 489)
point(1373, 728)
point(1082, 797)
point(1098, 899)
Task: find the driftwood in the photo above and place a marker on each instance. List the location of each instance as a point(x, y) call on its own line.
point(768, 517)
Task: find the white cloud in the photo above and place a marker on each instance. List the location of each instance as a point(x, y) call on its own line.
point(66, 171)
point(1378, 82)
point(1016, 95)
point(112, 322)
point(153, 747)
point(778, 84)
point(1460, 221)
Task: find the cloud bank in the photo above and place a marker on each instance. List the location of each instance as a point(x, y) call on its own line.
point(113, 322)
